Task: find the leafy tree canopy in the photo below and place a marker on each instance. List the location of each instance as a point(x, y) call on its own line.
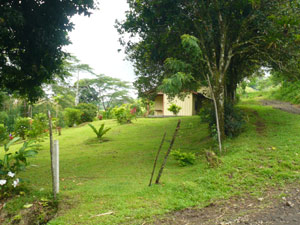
point(32, 34)
point(104, 91)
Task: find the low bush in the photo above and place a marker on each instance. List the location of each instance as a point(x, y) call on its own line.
point(234, 119)
point(175, 109)
point(22, 126)
point(124, 114)
point(89, 112)
point(60, 120)
point(106, 114)
point(184, 158)
point(72, 116)
point(289, 92)
point(39, 126)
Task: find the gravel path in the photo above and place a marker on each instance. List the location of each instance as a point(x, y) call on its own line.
point(284, 106)
point(278, 207)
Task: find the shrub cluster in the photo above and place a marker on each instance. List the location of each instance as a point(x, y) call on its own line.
point(184, 158)
point(72, 116)
point(80, 114)
point(88, 112)
point(124, 114)
point(22, 126)
point(234, 119)
point(39, 126)
point(289, 92)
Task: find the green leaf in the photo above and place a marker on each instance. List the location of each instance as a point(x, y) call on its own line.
point(27, 206)
point(6, 146)
point(30, 153)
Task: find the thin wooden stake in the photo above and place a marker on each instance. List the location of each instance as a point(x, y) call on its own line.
point(168, 152)
point(51, 154)
point(216, 112)
point(154, 166)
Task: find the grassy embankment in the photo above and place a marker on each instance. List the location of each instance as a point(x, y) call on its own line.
point(113, 176)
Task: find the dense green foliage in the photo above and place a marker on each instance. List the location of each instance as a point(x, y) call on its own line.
point(3, 117)
point(38, 126)
point(289, 92)
point(22, 126)
point(124, 113)
point(104, 91)
point(88, 112)
point(72, 116)
point(184, 158)
point(234, 120)
point(3, 133)
point(32, 34)
point(221, 41)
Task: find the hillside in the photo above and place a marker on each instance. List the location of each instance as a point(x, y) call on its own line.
point(113, 176)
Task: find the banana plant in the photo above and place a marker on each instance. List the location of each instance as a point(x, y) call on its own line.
point(100, 132)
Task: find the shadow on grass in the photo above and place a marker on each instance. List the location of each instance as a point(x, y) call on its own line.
point(95, 141)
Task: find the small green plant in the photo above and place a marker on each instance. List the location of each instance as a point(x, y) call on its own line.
point(184, 158)
point(101, 132)
point(12, 164)
point(175, 109)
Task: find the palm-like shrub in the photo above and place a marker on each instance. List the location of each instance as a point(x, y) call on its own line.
point(101, 131)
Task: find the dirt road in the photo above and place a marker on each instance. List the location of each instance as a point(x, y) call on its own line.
point(284, 106)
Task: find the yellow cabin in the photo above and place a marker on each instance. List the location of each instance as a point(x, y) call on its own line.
point(190, 105)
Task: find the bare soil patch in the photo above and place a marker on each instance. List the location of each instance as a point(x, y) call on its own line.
point(284, 106)
point(37, 213)
point(279, 206)
point(260, 124)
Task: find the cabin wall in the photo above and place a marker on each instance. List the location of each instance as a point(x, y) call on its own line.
point(187, 105)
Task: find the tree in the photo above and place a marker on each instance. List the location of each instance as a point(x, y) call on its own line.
point(76, 66)
point(218, 38)
point(104, 91)
point(32, 34)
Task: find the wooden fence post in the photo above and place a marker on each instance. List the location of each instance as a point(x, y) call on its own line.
point(56, 165)
point(168, 152)
point(161, 144)
point(51, 154)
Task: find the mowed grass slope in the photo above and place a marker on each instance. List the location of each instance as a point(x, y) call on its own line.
point(113, 176)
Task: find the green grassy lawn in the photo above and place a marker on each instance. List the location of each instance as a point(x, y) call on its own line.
point(114, 175)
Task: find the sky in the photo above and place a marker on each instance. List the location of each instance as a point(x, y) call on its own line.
point(95, 41)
